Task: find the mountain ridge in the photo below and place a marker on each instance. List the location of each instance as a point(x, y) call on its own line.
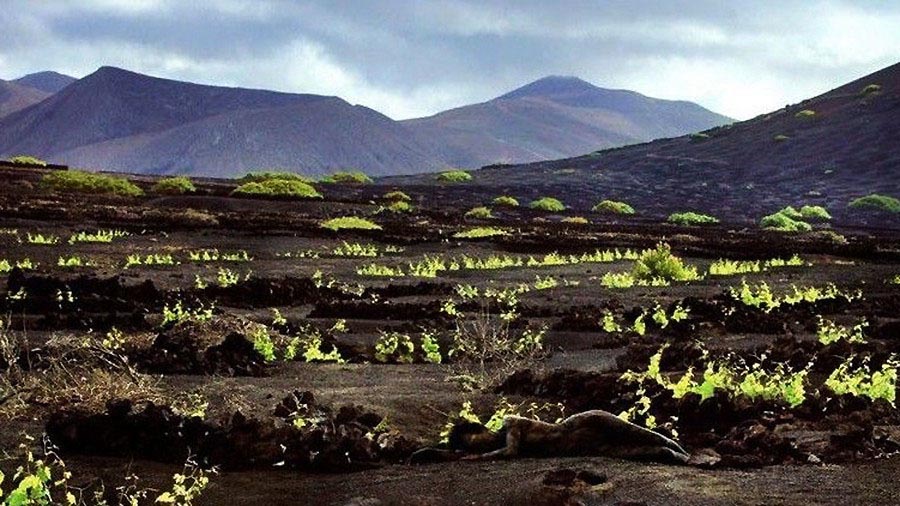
point(15, 97)
point(826, 150)
point(116, 119)
point(47, 81)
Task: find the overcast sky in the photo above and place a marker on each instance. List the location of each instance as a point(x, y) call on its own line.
point(416, 57)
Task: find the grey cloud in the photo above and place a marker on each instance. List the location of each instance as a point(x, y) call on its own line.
point(418, 56)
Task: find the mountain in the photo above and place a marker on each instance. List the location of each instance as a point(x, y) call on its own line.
point(826, 150)
point(14, 97)
point(556, 117)
point(119, 120)
point(116, 119)
point(47, 81)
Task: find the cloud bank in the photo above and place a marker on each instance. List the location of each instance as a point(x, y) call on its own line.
point(416, 57)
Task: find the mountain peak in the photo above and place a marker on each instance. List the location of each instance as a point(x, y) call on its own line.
point(107, 71)
point(552, 86)
point(47, 81)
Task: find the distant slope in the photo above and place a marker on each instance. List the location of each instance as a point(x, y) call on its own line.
point(116, 119)
point(14, 97)
point(47, 81)
point(849, 147)
point(556, 117)
point(317, 137)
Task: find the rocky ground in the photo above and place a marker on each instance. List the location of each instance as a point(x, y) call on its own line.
point(91, 360)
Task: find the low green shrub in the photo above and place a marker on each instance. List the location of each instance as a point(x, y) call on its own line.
point(576, 220)
point(613, 206)
point(27, 160)
point(870, 89)
point(692, 218)
point(350, 222)
point(267, 175)
point(506, 201)
point(480, 232)
point(877, 201)
point(454, 176)
point(780, 138)
point(174, 186)
point(786, 220)
point(396, 195)
point(350, 177)
point(791, 213)
point(88, 182)
point(547, 204)
point(480, 212)
point(399, 206)
point(661, 264)
point(278, 188)
point(815, 213)
point(805, 113)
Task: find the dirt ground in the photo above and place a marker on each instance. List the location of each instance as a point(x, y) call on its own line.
point(830, 449)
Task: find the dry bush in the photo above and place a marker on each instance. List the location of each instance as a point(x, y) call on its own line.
point(486, 350)
point(68, 373)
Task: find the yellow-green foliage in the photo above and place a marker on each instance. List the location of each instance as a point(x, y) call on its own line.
point(480, 232)
point(431, 350)
point(870, 89)
point(173, 315)
point(41, 239)
point(278, 188)
point(73, 261)
point(150, 259)
point(350, 177)
point(379, 270)
point(692, 218)
point(779, 383)
point(262, 343)
point(815, 213)
point(764, 298)
point(829, 332)
point(350, 222)
point(396, 195)
point(174, 186)
point(790, 219)
point(87, 182)
point(861, 381)
point(100, 236)
point(805, 113)
point(876, 201)
point(268, 175)
point(394, 347)
point(213, 255)
point(780, 138)
point(621, 280)
point(549, 204)
point(576, 220)
point(25, 264)
point(724, 267)
point(399, 206)
point(454, 176)
point(479, 213)
point(506, 201)
point(660, 263)
point(27, 160)
point(355, 250)
point(614, 207)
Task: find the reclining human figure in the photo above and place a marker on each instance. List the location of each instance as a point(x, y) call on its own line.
point(591, 433)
